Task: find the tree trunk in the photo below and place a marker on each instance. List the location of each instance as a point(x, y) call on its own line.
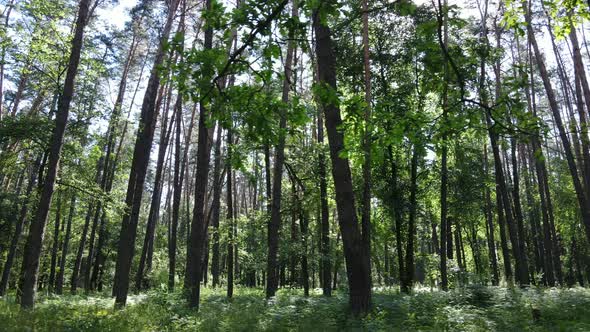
point(366, 203)
point(275, 211)
point(501, 185)
point(356, 256)
point(65, 246)
point(579, 190)
point(198, 231)
point(37, 229)
point(326, 260)
point(80, 253)
point(20, 224)
point(397, 206)
point(230, 217)
point(6, 15)
point(490, 224)
point(154, 214)
point(409, 277)
point(444, 177)
point(215, 207)
point(141, 155)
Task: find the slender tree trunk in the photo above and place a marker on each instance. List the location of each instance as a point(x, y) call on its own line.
point(91, 246)
point(80, 253)
point(215, 208)
point(356, 256)
point(275, 211)
point(19, 227)
point(141, 154)
point(154, 214)
point(396, 206)
point(6, 15)
point(326, 260)
point(518, 214)
point(501, 185)
point(579, 190)
point(533, 212)
point(444, 177)
point(366, 203)
point(490, 224)
point(503, 240)
point(409, 277)
point(294, 254)
point(37, 229)
point(581, 80)
point(198, 232)
point(230, 217)
point(65, 246)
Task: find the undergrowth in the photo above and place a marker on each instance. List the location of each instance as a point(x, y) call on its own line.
point(474, 308)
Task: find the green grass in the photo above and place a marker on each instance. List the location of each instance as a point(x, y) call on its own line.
point(469, 309)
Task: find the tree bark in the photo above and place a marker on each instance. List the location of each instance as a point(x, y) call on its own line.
point(19, 227)
point(154, 214)
point(141, 154)
point(579, 190)
point(366, 203)
point(230, 217)
point(409, 277)
point(215, 207)
point(198, 231)
point(490, 224)
point(65, 246)
point(37, 229)
point(356, 256)
point(275, 211)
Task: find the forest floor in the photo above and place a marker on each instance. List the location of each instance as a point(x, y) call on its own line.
point(473, 308)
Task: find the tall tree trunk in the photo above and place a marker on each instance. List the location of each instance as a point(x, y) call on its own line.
point(444, 177)
point(366, 203)
point(501, 184)
point(141, 155)
point(503, 240)
point(537, 157)
point(80, 252)
point(579, 190)
point(356, 256)
point(215, 208)
point(326, 261)
point(6, 15)
point(397, 207)
point(490, 224)
point(65, 246)
point(37, 229)
point(581, 80)
point(20, 224)
point(198, 231)
point(518, 214)
point(275, 211)
point(533, 211)
point(178, 172)
point(154, 214)
point(230, 217)
point(409, 277)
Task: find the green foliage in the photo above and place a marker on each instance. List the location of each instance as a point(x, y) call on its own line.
point(468, 309)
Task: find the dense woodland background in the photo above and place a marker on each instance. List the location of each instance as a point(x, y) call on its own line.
point(344, 146)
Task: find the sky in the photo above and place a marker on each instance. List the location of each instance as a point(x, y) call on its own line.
point(116, 14)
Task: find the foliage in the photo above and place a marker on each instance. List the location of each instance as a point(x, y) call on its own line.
point(466, 309)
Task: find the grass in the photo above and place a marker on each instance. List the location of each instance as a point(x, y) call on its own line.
point(474, 308)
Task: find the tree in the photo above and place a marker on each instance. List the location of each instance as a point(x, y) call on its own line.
point(37, 229)
point(354, 251)
point(139, 165)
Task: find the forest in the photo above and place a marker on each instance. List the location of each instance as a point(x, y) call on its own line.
point(294, 165)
